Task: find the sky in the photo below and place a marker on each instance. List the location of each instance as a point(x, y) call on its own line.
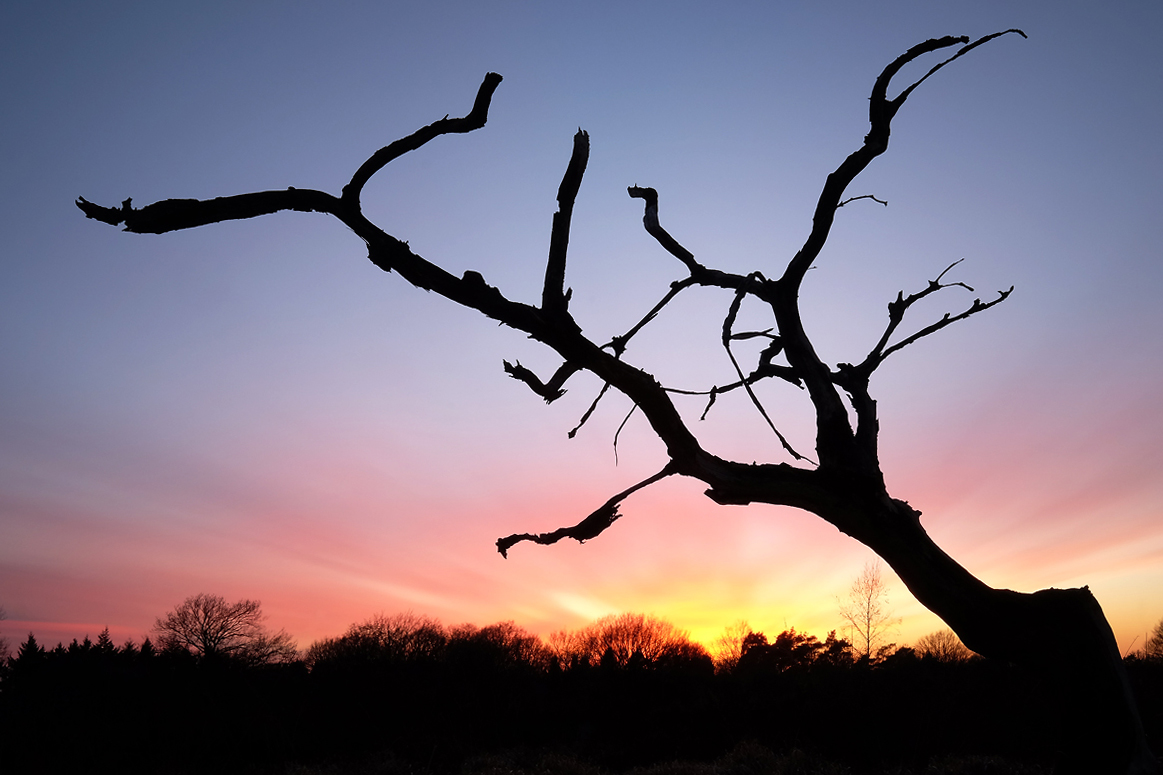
point(253, 410)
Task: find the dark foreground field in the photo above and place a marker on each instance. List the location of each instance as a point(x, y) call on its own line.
point(479, 712)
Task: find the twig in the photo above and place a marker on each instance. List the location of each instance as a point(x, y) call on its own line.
point(732, 312)
point(618, 432)
point(589, 411)
point(862, 196)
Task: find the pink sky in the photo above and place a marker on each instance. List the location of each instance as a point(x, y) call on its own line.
point(252, 410)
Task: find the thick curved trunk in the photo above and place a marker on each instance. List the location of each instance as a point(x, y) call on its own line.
point(1059, 634)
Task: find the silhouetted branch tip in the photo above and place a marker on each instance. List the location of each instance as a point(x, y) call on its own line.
point(862, 196)
point(553, 298)
point(965, 49)
point(590, 527)
point(661, 235)
point(110, 215)
point(549, 391)
point(475, 119)
point(648, 194)
point(618, 432)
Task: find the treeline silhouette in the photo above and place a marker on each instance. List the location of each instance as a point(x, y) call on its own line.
point(404, 693)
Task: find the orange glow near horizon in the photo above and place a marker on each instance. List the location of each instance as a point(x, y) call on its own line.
point(252, 410)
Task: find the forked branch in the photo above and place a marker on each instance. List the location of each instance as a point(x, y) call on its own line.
point(948, 319)
point(728, 324)
point(551, 390)
point(846, 489)
point(898, 308)
point(813, 489)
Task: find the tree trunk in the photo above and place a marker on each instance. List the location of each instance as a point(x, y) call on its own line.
point(1061, 635)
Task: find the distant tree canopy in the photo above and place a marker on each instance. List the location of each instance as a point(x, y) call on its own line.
point(502, 646)
point(621, 692)
point(404, 637)
point(791, 650)
point(628, 639)
point(728, 647)
point(943, 646)
point(212, 629)
point(398, 641)
point(1154, 647)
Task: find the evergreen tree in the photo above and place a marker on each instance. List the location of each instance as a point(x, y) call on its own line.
point(29, 657)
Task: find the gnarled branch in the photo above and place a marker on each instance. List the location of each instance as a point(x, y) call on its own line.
point(590, 527)
point(728, 482)
point(847, 488)
point(654, 228)
point(551, 390)
point(475, 119)
point(948, 319)
point(175, 214)
point(898, 308)
point(554, 300)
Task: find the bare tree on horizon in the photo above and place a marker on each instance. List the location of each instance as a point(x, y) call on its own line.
point(212, 629)
point(867, 614)
point(943, 646)
point(1062, 632)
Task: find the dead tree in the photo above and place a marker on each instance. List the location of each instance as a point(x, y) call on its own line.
point(1060, 632)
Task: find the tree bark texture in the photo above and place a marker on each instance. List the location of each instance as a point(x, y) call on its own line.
point(1060, 632)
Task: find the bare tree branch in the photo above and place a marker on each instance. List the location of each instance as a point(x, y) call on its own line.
point(728, 322)
point(175, 214)
point(618, 343)
point(654, 228)
point(618, 432)
point(761, 372)
point(836, 442)
point(699, 273)
point(862, 196)
point(589, 411)
point(590, 527)
point(948, 319)
point(551, 390)
point(904, 95)
point(475, 119)
point(554, 300)
point(898, 308)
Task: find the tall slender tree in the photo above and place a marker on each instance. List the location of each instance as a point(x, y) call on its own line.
point(870, 620)
point(1060, 631)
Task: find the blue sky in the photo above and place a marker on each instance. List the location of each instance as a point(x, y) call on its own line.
point(253, 410)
